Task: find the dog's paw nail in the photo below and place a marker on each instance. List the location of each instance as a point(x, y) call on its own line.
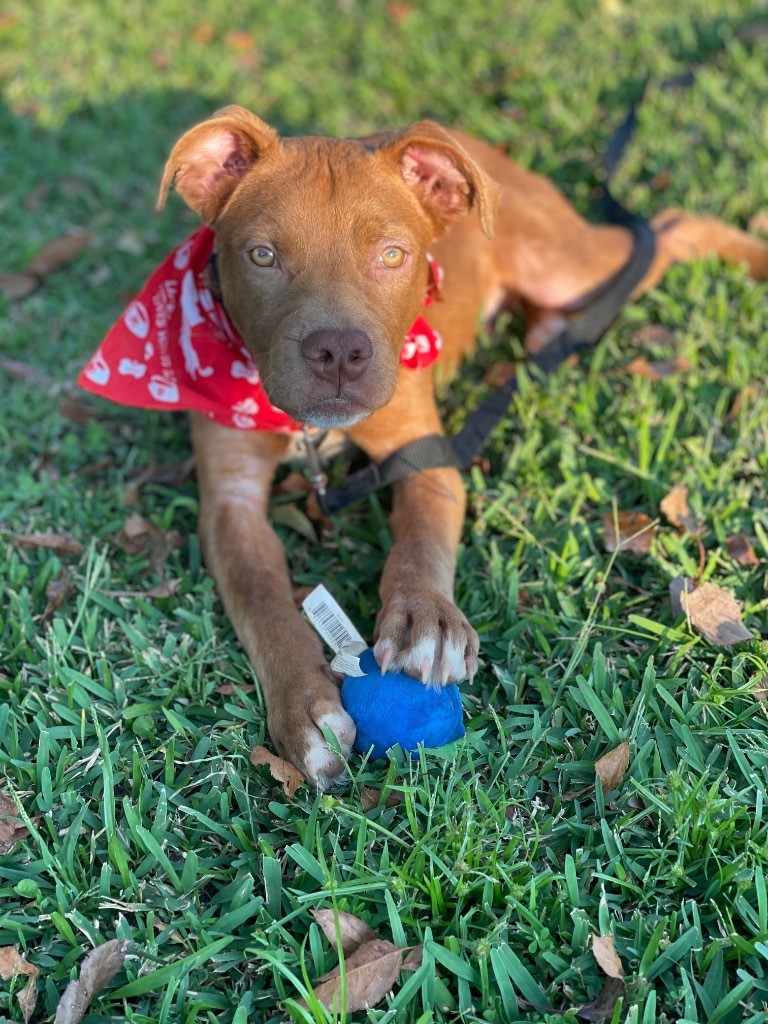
point(425, 670)
point(471, 664)
point(446, 675)
point(386, 657)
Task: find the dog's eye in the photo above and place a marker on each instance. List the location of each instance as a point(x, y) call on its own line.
point(262, 256)
point(392, 257)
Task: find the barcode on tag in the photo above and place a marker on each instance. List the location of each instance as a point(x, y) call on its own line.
point(329, 620)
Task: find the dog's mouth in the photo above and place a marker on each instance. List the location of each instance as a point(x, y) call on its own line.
point(336, 413)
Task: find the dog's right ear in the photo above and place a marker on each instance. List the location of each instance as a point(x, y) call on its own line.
point(210, 159)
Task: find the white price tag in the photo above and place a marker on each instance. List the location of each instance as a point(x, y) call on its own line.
point(329, 620)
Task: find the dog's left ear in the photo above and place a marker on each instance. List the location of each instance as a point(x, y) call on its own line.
point(445, 179)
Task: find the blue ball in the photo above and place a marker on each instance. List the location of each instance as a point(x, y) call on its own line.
point(393, 708)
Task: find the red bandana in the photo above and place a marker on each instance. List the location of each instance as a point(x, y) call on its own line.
point(174, 348)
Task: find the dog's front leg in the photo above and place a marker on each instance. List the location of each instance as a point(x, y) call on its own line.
point(419, 629)
point(247, 561)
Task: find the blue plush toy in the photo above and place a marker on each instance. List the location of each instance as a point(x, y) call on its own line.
point(393, 708)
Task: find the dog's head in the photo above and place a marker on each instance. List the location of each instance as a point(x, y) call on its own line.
point(322, 248)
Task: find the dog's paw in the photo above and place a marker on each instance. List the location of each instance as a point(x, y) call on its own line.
point(426, 636)
point(296, 727)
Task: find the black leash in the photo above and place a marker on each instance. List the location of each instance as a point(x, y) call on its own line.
point(435, 451)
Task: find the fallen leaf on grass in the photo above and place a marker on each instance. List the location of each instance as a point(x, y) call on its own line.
point(677, 587)
point(743, 399)
point(628, 531)
point(612, 767)
point(500, 374)
point(22, 371)
point(760, 691)
point(12, 828)
point(139, 535)
point(61, 543)
point(58, 253)
point(675, 507)
point(741, 550)
point(15, 284)
point(414, 959)
point(370, 972)
point(604, 1004)
point(98, 969)
point(11, 964)
point(280, 770)
point(76, 410)
point(716, 615)
point(56, 592)
point(370, 798)
point(227, 689)
point(292, 517)
point(659, 370)
point(653, 334)
point(53, 255)
point(607, 958)
point(352, 931)
point(294, 483)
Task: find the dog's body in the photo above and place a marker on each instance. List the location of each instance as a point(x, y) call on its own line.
point(322, 258)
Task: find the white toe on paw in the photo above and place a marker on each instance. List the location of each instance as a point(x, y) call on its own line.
point(321, 765)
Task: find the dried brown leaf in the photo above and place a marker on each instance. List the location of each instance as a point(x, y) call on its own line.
point(12, 828)
point(677, 587)
point(370, 798)
point(741, 550)
point(98, 969)
point(240, 41)
point(56, 592)
point(653, 334)
point(675, 507)
point(139, 535)
point(11, 964)
point(352, 931)
point(628, 531)
point(76, 410)
point(413, 961)
point(280, 770)
point(500, 374)
point(760, 683)
point(370, 972)
point(173, 474)
point(605, 1003)
point(294, 483)
point(58, 253)
point(227, 689)
point(612, 767)
point(23, 371)
point(743, 399)
point(659, 370)
point(607, 958)
point(15, 285)
point(61, 543)
point(716, 615)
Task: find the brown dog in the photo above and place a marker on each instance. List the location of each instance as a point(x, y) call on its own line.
point(322, 249)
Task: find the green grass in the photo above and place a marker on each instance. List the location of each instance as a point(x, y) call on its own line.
point(147, 820)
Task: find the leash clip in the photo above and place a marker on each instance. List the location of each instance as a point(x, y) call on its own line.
point(317, 475)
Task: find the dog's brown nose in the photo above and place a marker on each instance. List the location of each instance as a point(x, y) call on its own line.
point(337, 356)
